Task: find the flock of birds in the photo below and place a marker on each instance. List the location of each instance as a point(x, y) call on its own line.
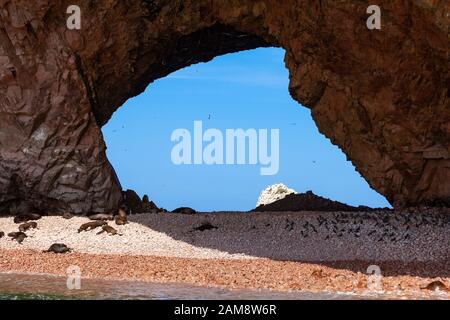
point(379, 226)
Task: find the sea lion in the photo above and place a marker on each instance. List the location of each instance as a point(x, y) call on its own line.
point(2, 234)
point(121, 218)
point(110, 230)
point(101, 216)
point(28, 225)
point(18, 236)
point(436, 285)
point(25, 217)
point(184, 210)
point(58, 248)
point(91, 225)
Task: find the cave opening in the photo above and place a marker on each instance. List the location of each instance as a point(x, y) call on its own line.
point(245, 90)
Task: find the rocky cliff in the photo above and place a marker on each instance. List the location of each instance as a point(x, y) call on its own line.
point(382, 95)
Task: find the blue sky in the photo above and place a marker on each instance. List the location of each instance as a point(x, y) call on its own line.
point(244, 90)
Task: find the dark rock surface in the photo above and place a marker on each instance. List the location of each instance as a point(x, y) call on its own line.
point(381, 96)
point(307, 202)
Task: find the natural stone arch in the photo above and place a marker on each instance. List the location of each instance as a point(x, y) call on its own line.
point(381, 96)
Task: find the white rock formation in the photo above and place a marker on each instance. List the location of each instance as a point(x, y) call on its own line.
point(274, 193)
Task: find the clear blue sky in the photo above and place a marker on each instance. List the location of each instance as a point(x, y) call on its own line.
point(243, 90)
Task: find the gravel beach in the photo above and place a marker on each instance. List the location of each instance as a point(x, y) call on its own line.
point(313, 251)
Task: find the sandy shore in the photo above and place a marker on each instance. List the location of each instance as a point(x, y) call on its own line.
point(281, 251)
point(399, 280)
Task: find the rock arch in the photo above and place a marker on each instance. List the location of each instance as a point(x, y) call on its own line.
point(381, 96)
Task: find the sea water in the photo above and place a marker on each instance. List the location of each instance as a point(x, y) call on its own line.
point(14, 286)
point(45, 287)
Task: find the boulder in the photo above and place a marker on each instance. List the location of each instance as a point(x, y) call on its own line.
point(273, 193)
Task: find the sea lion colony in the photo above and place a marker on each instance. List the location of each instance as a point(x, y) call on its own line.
point(28, 221)
point(382, 230)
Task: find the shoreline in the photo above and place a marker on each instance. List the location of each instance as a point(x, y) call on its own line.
point(282, 251)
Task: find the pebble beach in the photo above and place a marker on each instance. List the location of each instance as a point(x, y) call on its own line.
point(308, 251)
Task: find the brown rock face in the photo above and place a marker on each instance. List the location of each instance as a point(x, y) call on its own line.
point(382, 96)
point(134, 204)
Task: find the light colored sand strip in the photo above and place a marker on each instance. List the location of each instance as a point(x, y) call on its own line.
point(305, 236)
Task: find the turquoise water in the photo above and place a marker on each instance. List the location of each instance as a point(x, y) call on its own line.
point(26, 296)
point(43, 287)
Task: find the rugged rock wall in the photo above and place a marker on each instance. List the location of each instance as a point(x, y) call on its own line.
point(381, 96)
